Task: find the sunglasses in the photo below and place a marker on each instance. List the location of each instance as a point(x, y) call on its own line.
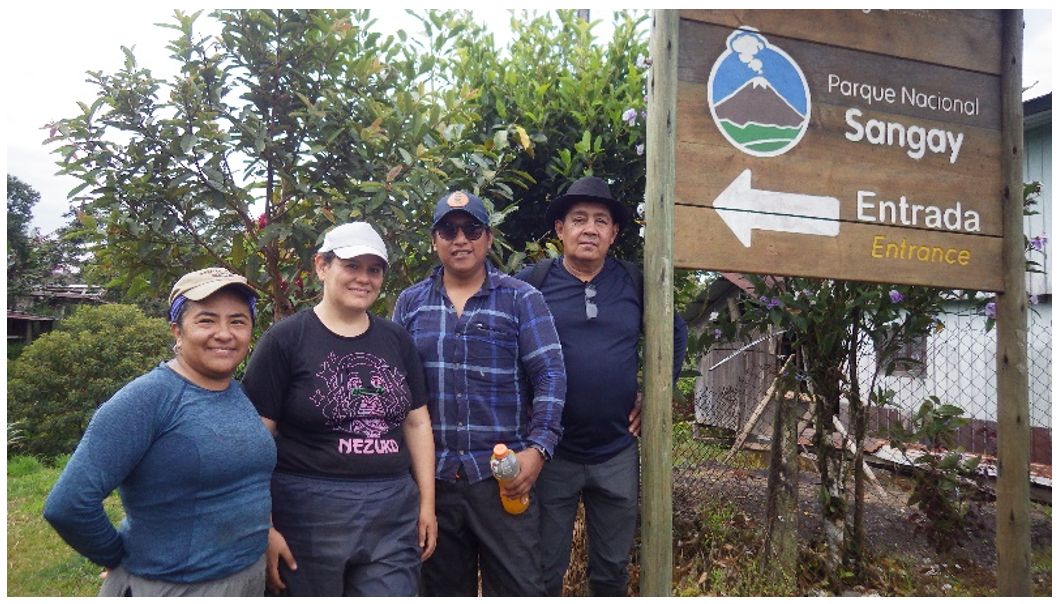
point(448, 231)
point(590, 309)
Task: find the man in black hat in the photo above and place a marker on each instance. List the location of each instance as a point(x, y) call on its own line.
point(597, 303)
point(494, 374)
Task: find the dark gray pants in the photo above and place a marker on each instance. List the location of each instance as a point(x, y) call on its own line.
point(610, 493)
point(349, 537)
point(472, 526)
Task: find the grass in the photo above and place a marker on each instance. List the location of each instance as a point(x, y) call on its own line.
point(688, 451)
point(760, 138)
point(39, 563)
point(717, 555)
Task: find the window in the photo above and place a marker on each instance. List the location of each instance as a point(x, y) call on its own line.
point(909, 360)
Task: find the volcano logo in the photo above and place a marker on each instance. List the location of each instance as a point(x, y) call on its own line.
point(758, 96)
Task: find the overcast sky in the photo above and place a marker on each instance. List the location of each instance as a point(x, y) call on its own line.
point(48, 49)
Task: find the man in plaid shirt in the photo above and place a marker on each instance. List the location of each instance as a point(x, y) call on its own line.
point(495, 374)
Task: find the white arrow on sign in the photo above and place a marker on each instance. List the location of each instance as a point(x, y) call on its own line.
point(744, 208)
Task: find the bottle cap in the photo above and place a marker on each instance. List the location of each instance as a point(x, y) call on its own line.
point(499, 450)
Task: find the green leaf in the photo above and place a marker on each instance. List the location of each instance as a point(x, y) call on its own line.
point(950, 410)
point(500, 139)
point(87, 220)
point(217, 200)
point(584, 145)
point(238, 251)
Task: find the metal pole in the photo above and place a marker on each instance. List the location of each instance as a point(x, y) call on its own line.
point(1014, 570)
point(656, 561)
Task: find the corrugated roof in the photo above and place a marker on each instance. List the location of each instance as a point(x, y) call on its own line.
point(25, 316)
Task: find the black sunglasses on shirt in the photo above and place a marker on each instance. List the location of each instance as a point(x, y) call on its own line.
point(590, 309)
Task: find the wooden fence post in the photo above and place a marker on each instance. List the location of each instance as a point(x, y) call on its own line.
point(1014, 571)
point(656, 559)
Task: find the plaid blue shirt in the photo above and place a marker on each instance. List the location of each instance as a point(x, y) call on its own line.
point(495, 374)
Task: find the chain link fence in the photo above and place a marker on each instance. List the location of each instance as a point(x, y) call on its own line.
point(721, 439)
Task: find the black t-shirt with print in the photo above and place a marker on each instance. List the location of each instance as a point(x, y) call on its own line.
point(339, 402)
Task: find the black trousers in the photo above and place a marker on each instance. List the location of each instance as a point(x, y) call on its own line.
point(474, 530)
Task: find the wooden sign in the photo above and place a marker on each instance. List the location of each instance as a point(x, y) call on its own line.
point(859, 145)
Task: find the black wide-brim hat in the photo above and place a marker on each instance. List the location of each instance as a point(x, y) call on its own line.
point(589, 188)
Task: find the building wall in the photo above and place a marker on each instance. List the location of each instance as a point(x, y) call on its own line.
point(961, 367)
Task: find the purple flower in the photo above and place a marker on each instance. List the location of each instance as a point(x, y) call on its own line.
point(770, 303)
point(717, 333)
point(1038, 242)
point(629, 116)
point(640, 148)
point(990, 310)
point(896, 296)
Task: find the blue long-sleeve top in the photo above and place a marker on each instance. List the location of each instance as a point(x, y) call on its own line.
point(193, 469)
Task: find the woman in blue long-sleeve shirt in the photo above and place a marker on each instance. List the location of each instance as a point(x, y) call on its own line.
point(189, 457)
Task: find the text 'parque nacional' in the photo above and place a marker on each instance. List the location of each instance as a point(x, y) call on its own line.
point(908, 95)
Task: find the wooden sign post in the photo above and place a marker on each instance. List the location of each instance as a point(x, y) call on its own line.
point(1013, 547)
point(865, 145)
point(655, 577)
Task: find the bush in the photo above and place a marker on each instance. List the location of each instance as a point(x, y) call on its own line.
point(59, 463)
point(14, 349)
point(59, 380)
point(944, 482)
point(23, 465)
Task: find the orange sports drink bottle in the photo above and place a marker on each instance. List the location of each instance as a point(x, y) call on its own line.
point(504, 466)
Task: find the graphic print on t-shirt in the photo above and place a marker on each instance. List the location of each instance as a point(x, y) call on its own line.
point(363, 396)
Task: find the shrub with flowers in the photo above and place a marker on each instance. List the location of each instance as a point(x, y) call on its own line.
point(1034, 246)
point(824, 324)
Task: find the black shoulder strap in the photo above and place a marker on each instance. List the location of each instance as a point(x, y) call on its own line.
point(636, 275)
point(536, 278)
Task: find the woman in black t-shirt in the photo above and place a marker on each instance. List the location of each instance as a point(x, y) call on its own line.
point(344, 394)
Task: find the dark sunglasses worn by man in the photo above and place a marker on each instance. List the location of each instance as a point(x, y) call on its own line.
point(449, 231)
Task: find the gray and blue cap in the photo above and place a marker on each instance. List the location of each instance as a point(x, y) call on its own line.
point(460, 201)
